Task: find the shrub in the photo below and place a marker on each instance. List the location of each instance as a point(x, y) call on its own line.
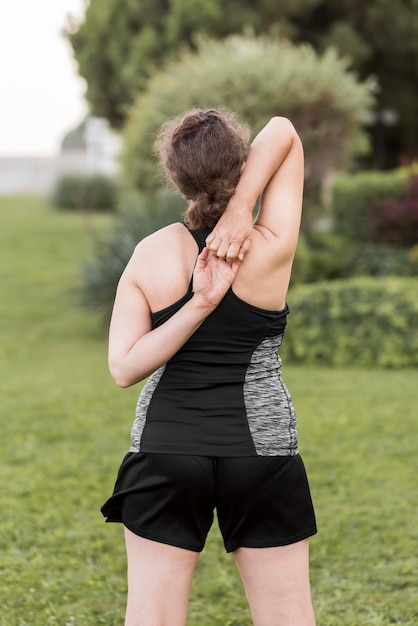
point(321, 256)
point(377, 259)
point(395, 220)
point(79, 192)
point(140, 215)
point(257, 78)
point(354, 197)
point(367, 322)
point(326, 256)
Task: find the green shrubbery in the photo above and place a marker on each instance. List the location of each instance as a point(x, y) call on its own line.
point(354, 199)
point(396, 219)
point(257, 78)
point(365, 322)
point(363, 306)
point(80, 192)
point(140, 215)
point(326, 256)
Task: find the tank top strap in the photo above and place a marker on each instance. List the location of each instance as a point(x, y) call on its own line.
point(199, 235)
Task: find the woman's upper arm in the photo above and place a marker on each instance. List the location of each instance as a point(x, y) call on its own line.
point(131, 317)
point(281, 201)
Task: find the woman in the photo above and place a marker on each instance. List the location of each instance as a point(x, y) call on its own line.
point(202, 307)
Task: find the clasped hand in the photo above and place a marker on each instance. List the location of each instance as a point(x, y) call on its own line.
point(212, 277)
point(231, 237)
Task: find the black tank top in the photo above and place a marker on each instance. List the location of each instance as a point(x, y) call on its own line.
point(222, 393)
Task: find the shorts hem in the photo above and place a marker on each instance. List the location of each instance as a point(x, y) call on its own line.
point(273, 543)
point(112, 516)
point(161, 539)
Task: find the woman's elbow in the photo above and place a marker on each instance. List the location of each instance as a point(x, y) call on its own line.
point(121, 378)
point(284, 127)
point(122, 382)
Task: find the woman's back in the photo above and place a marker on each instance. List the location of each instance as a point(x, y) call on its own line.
point(160, 270)
point(221, 394)
point(262, 279)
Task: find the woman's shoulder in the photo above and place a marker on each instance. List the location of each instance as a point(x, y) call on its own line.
point(162, 264)
point(167, 235)
point(164, 242)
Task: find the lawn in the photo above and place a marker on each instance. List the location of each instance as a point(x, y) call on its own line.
point(65, 427)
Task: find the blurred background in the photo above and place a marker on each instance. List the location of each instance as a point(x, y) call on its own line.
point(84, 87)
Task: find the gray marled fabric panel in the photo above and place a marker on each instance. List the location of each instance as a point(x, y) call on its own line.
point(270, 412)
point(142, 407)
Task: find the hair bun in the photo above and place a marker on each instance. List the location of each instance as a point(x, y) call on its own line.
point(194, 121)
point(203, 153)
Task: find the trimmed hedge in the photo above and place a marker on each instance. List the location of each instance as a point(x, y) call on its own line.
point(379, 259)
point(396, 219)
point(367, 322)
point(78, 192)
point(354, 197)
point(325, 256)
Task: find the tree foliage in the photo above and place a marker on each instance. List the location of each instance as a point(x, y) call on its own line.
point(257, 78)
point(396, 219)
point(121, 42)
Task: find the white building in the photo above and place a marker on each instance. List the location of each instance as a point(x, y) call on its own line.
point(93, 148)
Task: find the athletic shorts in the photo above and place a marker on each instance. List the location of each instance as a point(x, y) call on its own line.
point(170, 498)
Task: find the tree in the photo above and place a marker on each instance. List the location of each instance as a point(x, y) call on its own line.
point(122, 42)
point(257, 77)
point(381, 39)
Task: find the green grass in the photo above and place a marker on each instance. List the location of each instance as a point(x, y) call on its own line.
point(65, 427)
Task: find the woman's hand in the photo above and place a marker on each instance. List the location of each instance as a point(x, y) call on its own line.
point(212, 277)
point(231, 237)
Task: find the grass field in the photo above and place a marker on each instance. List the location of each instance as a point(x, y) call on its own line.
point(65, 427)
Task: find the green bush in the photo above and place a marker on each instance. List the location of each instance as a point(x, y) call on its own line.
point(140, 215)
point(354, 197)
point(80, 192)
point(321, 256)
point(377, 259)
point(257, 78)
point(396, 219)
point(325, 256)
point(367, 322)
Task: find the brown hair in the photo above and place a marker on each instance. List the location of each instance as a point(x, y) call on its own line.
point(202, 153)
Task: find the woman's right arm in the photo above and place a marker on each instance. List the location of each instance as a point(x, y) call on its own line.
point(135, 349)
point(274, 169)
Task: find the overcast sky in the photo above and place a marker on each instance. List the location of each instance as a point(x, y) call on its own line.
point(41, 94)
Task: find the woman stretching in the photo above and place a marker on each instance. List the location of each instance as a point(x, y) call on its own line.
point(201, 309)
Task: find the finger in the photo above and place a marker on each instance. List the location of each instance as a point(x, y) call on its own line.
point(203, 257)
point(245, 246)
point(204, 254)
point(222, 249)
point(233, 251)
point(209, 239)
point(213, 242)
point(235, 266)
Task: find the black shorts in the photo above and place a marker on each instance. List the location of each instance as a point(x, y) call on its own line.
point(260, 501)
